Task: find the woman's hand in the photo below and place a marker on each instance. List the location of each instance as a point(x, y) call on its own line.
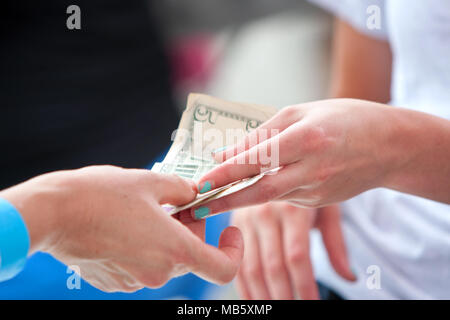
point(328, 151)
point(277, 262)
point(332, 150)
point(108, 221)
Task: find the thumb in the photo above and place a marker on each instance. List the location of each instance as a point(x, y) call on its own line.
point(329, 224)
point(218, 265)
point(170, 188)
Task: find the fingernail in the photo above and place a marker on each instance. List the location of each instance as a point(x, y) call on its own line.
point(201, 212)
point(206, 187)
point(219, 149)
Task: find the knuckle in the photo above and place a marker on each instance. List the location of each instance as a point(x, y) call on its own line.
point(274, 267)
point(322, 174)
point(129, 288)
point(108, 289)
point(179, 180)
point(132, 289)
point(296, 254)
point(253, 272)
point(184, 184)
point(290, 111)
point(266, 216)
point(313, 138)
point(155, 280)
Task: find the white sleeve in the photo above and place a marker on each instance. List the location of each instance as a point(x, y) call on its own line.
point(366, 16)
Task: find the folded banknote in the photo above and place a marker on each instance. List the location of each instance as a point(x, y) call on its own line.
point(209, 124)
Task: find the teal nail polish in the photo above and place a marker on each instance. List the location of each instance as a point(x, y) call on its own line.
point(206, 187)
point(219, 149)
point(201, 212)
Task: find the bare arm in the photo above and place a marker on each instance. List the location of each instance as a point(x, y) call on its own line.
point(362, 68)
point(361, 65)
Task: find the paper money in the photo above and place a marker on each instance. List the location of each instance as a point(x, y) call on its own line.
point(207, 124)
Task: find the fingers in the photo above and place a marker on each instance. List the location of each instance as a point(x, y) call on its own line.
point(329, 224)
point(169, 188)
point(276, 151)
point(300, 140)
point(272, 257)
point(251, 276)
point(268, 129)
point(276, 263)
point(296, 247)
point(217, 265)
point(268, 188)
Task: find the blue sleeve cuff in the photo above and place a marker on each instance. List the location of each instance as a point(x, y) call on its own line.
point(14, 241)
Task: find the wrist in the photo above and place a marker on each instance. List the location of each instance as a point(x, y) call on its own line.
point(399, 146)
point(382, 142)
point(40, 201)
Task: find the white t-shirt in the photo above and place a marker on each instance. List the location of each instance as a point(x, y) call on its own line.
point(399, 245)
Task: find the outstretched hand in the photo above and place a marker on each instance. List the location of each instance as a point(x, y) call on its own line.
point(328, 151)
point(108, 221)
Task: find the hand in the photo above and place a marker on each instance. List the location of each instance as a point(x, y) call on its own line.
point(108, 221)
point(276, 262)
point(329, 151)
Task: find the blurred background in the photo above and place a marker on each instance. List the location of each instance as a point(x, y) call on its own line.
point(260, 51)
point(93, 96)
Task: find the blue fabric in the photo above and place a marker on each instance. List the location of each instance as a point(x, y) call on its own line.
point(46, 278)
point(14, 241)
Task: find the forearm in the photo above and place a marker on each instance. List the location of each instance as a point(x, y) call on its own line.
point(420, 145)
point(361, 65)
